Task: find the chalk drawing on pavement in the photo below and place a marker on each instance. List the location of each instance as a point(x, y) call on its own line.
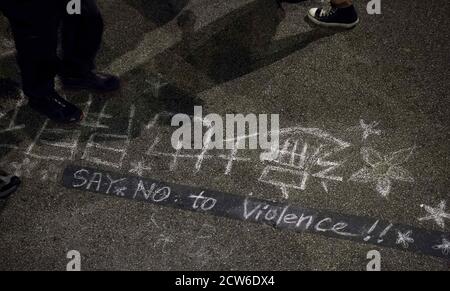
point(367, 129)
point(278, 215)
point(444, 247)
point(303, 156)
point(404, 238)
point(383, 170)
point(436, 213)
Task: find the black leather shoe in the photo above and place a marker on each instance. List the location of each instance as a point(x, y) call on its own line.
point(8, 184)
point(92, 81)
point(56, 108)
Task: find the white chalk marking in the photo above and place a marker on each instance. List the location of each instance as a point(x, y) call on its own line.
point(444, 247)
point(383, 170)
point(101, 115)
point(88, 155)
point(367, 129)
point(384, 232)
point(372, 228)
point(173, 164)
point(156, 85)
point(163, 241)
point(437, 214)
point(404, 239)
point(71, 146)
point(139, 168)
point(25, 168)
point(324, 186)
point(12, 123)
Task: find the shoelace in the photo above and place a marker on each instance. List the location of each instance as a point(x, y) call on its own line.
point(328, 9)
point(5, 179)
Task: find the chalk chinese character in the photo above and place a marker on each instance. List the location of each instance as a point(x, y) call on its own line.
point(8, 125)
point(108, 149)
point(303, 156)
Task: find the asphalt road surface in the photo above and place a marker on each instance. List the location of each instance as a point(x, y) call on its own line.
point(365, 119)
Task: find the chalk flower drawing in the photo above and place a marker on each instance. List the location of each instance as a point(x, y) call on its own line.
point(383, 170)
point(404, 239)
point(437, 214)
point(445, 247)
point(119, 191)
point(25, 168)
point(50, 174)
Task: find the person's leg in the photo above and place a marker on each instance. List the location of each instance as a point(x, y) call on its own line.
point(342, 3)
point(81, 40)
point(8, 184)
point(34, 26)
point(339, 13)
point(35, 36)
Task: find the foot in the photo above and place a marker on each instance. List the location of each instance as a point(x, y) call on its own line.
point(8, 184)
point(332, 16)
point(56, 108)
point(92, 81)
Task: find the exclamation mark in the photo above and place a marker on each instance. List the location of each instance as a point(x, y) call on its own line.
point(368, 237)
point(385, 231)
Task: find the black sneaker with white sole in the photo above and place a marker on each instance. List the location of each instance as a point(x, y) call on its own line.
point(332, 16)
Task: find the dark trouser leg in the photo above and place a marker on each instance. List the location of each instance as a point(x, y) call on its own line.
point(35, 25)
point(81, 39)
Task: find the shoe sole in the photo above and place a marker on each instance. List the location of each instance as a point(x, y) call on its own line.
point(62, 122)
point(10, 191)
point(86, 88)
point(331, 25)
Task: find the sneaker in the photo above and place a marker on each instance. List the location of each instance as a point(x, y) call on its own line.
point(56, 108)
point(332, 16)
point(8, 184)
point(92, 81)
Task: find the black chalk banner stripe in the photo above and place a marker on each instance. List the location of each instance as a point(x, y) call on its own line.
point(279, 215)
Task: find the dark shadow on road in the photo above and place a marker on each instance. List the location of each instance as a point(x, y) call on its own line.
point(240, 43)
point(235, 45)
point(159, 12)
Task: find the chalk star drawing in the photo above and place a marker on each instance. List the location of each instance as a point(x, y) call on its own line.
point(139, 168)
point(383, 170)
point(25, 168)
point(437, 214)
point(445, 247)
point(404, 238)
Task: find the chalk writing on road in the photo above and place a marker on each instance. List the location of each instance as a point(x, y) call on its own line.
point(306, 157)
point(278, 215)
